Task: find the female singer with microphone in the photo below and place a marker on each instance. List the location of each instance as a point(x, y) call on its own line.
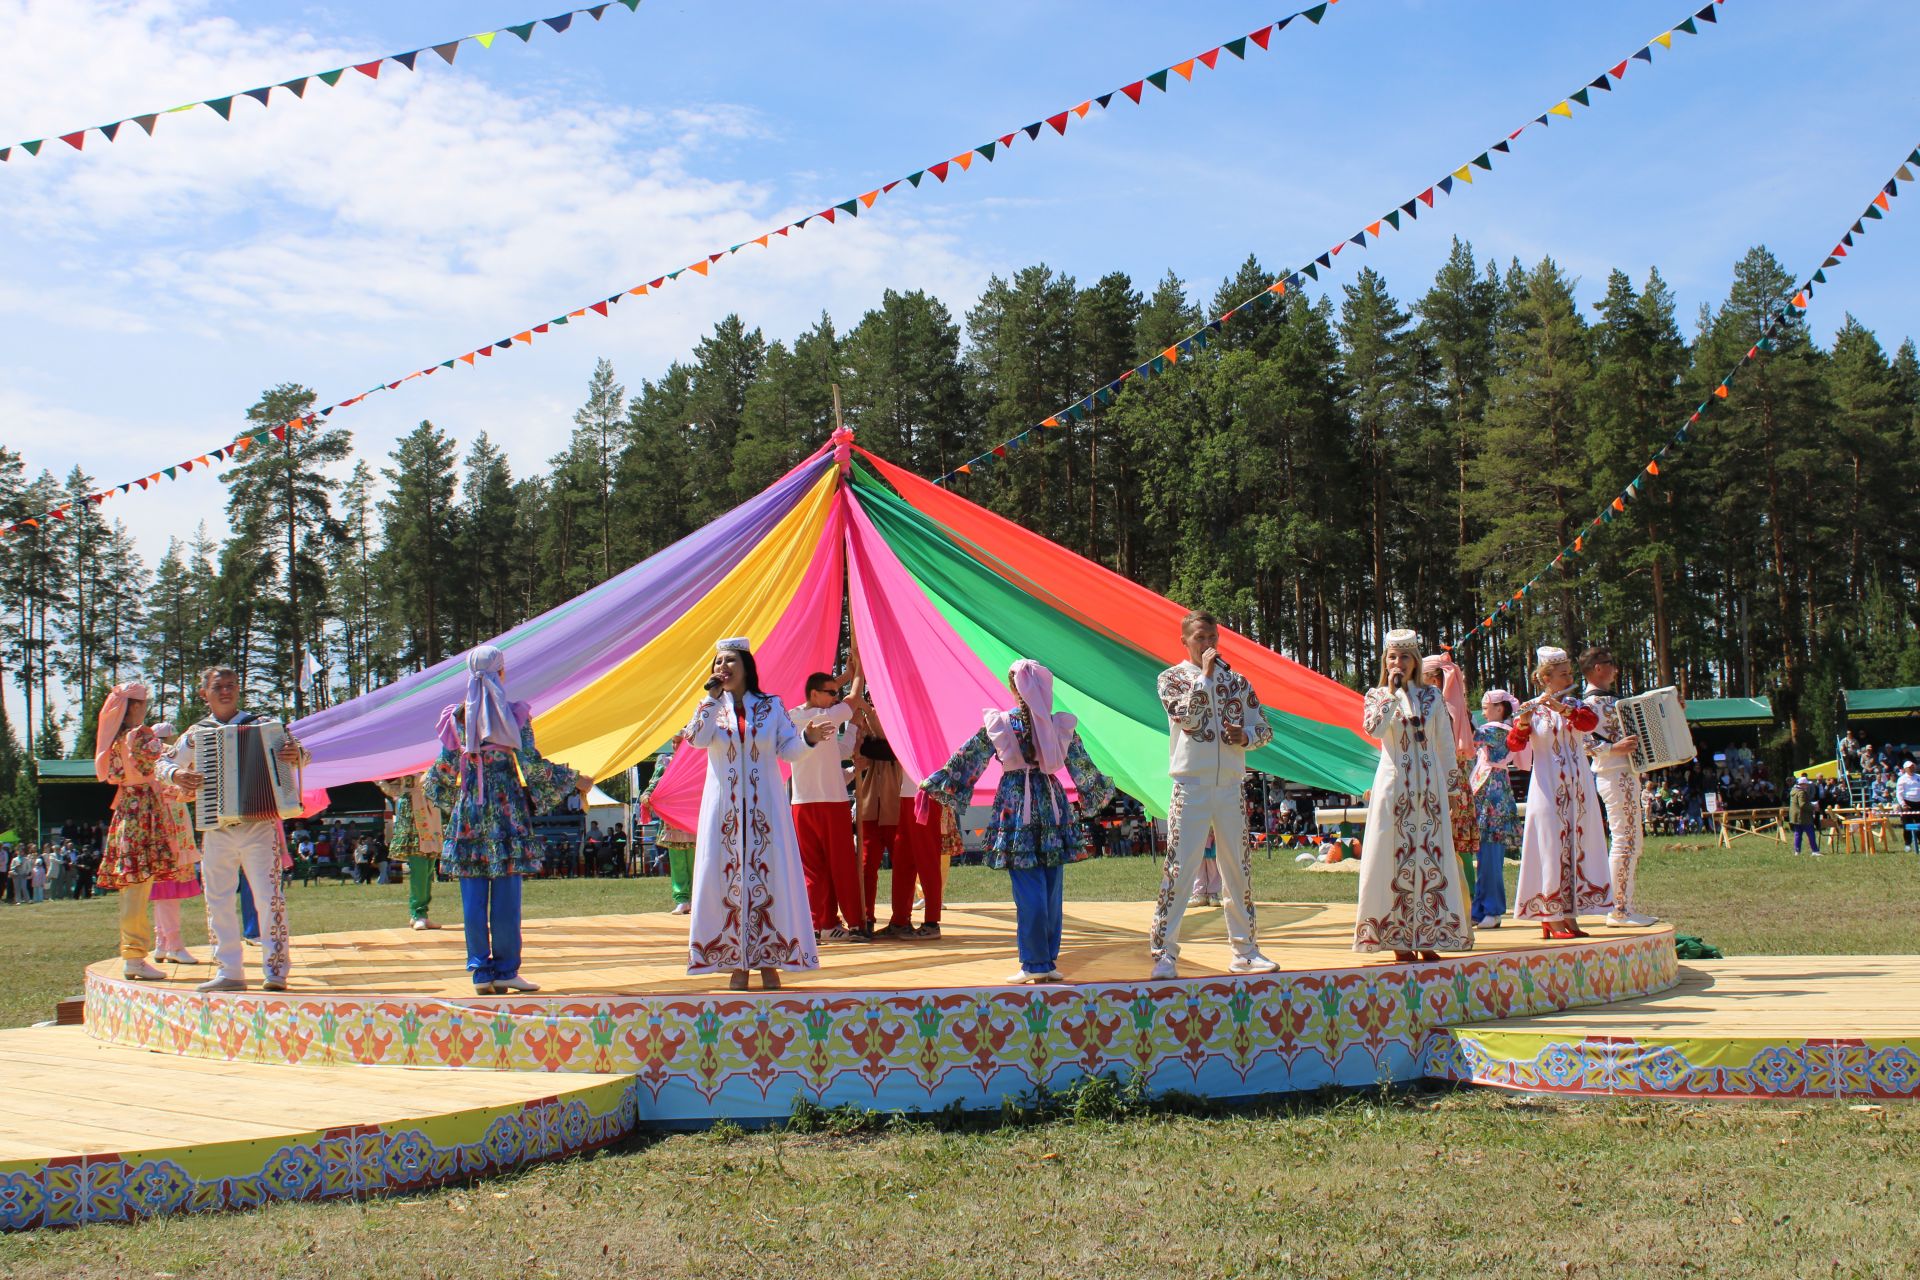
point(1413, 898)
point(750, 907)
point(1563, 847)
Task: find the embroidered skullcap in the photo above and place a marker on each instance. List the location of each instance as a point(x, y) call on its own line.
point(1401, 638)
point(1549, 653)
point(1497, 695)
point(737, 644)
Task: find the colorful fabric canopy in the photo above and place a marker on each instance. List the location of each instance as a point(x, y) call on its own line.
point(942, 597)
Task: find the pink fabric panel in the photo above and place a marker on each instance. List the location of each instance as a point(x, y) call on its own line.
point(931, 690)
point(805, 640)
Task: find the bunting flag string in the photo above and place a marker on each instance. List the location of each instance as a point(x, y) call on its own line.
point(941, 171)
point(1778, 317)
point(223, 106)
point(1409, 210)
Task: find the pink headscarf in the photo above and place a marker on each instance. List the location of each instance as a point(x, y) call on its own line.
point(486, 716)
point(107, 728)
point(1453, 691)
point(1051, 730)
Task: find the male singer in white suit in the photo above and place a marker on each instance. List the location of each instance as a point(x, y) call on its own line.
point(254, 845)
point(1213, 717)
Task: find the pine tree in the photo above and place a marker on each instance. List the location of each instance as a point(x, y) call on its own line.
point(418, 534)
point(789, 408)
point(905, 395)
point(600, 427)
point(487, 553)
point(726, 362)
point(1020, 361)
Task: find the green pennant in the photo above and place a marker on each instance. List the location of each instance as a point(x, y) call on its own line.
point(1393, 219)
point(1873, 211)
point(222, 106)
point(1580, 96)
point(1311, 271)
point(331, 78)
point(1159, 79)
point(633, 6)
point(1483, 161)
point(915, 176)
point(524, 31)
point(986, 149)
point(446, 364)
point(1606, 517)
point(1314, 14)
point(558, 320)
point(674, 275)
point(32, 148)
point(1820, 277)
point(168, 472)
point(1688, 27)
point(850, 207)
point(1238, 48)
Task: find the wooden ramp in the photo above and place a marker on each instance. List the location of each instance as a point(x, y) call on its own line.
point(1759, 1027)
point(92, 1132)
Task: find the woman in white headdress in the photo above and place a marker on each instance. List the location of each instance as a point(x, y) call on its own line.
point(750, 908)
point(1563, 847)
point(1413, 898)
point(493, 779)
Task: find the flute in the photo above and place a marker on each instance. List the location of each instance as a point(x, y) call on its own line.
point(1546, 698)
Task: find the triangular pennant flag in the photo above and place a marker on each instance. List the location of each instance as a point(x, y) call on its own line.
point(1359, 238)
point(597, 10)
point(985, 149)
point(1392, 220)
point(1621, 70)
point(525, 335)
point(1325, 260)
point(1104, 99)
point(1445, 185)
point(1483, 160)
point(146, 122)
point(1619, 504)
point(1314, 14)
point(1238, 48)
point(1881, 200)
point(939, 170)
point(1058, 122)
point(1184, 69)
point(524, 31)
point(1873, 212)
point(222, 106)
point(1033, 130)
point(1820, 276)
point(1504, 146)
point(1311, 271)
point(1904, 174)
point(1664, 40)
point(1373, 230)
point(331, 78)
point(1133, 90)
point(1158, 80)
point(278, 433)
point(560, 22)
point(371, 70)
point(964, 160)
point(1083, 108)
point(32, 148)
point(1645, 54)
point(1262, 36)
point(467, 358)
point(1408, 209)
point(1211, 58)
point(1707, 15)
point(1426, 197)
point(1562, 109)
point(866, 200)
point(1600, 82)
point(1720, 392)
point(1653, 468)
point(1687, 27)
point(485, 39)
point(1580, 96)
point(913, 179)
point(501, 345)
point(406, 59)
point(849, 207)
point(75, 140)
point(447, 50)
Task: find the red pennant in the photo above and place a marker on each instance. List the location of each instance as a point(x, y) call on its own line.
point(74, 140)
point(939, 170)
point(371, 70)
point(1619, 71)
point(541, 328)
point(1261, 36)
point(1134, 90)
point(601, 307)
point(1058, 122)
point(1427, 197)
point(280, 433)
point(1210, 57)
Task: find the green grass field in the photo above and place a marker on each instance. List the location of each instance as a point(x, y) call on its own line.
point(1420, 1183)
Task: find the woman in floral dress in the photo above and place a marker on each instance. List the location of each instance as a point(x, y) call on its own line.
point(1033, 832)
point(140, 842)
point(492, 777)
point(169, 892)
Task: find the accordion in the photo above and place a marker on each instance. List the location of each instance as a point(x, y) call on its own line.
point(1660, 722)
point(243, 778)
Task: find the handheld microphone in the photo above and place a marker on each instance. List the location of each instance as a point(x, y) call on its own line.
point(713, 686)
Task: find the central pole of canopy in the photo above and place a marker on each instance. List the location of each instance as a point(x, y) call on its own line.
point(842, 439)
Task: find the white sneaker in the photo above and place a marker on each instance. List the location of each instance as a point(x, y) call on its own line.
point(1020, 978)
point(176, 957)
point(1197, 900)
point(515, 983)
point(216, 985)
point(1255, 963)
point(1164, 969)
point(1630, 920)
point(141, 971)
point(1491, 922)
point(1051, 975)
point(682, 909)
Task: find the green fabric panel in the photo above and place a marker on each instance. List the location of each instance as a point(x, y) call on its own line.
point(1126, 727)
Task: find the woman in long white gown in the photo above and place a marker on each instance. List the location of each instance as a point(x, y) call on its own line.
point(1563, 848)
point(1413, 898)
point(750, 908)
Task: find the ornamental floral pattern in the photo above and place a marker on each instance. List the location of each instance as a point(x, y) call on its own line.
point(355, 1161)
point(1540, 1062)
point(748, 1057)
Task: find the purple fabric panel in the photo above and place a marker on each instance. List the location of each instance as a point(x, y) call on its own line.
point(391, 730)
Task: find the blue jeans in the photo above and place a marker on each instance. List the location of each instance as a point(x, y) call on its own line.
point(1489, 881)
point(491, 908)
point(1810, 831)
point(1037, 913)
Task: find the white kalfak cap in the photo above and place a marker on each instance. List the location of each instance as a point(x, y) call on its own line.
point(1401, 638)
point(1547, 653)
point(737, 644)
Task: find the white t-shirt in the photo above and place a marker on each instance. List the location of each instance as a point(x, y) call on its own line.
point(817, 778)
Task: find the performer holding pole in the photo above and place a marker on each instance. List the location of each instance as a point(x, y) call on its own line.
point(1033, 833)
point(1413, 897)
point(1563, 847)
point(1619, 784)
point(254, 843)
point(1213, 719)
point(489, 777)
point(750, 908)
point(140, 847)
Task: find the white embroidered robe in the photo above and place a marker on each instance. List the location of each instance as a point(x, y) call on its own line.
point(749, 895)
point(1412, 888)
point(1563, 849)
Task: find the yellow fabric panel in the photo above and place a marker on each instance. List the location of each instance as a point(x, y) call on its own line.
point(630, 711)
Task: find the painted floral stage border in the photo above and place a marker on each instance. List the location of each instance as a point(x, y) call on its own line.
point(700, 1058)
point(356, 1161)
point(1678, 1067)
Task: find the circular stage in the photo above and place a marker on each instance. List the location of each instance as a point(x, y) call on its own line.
point(898, 1026)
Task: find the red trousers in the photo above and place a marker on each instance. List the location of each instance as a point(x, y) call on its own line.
point(830, 864)
point(916, 861)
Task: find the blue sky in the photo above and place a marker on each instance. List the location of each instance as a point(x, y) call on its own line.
point(149, 289)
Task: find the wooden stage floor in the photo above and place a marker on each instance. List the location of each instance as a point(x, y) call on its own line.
point(647, 954)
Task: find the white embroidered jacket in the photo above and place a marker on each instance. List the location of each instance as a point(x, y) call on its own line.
point(1197, 710)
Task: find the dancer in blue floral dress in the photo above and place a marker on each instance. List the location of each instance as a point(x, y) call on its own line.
point(491, 777)
point(1033, 831)
point(1493, 804)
